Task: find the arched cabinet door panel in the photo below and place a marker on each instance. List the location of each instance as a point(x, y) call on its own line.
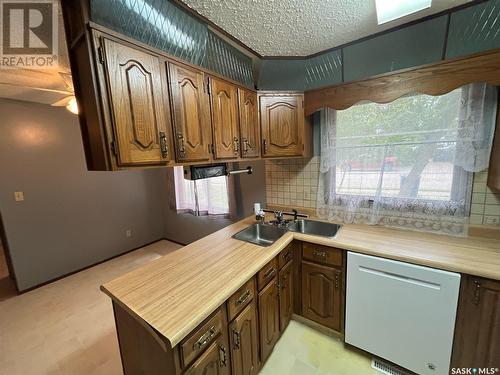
point(282, 122)
point(225, 119)
point(139, 110)
point(190, 113)
point(249, 124)
point(321, 294)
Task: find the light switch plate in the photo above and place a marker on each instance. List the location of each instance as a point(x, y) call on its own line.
point(19, 196)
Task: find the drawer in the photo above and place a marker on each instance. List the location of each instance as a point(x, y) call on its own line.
point(201, 337)
point(286, 255)
point(322, 254)
point(241, 298)
point(267, 273)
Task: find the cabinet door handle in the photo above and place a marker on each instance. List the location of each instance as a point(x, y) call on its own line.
point(163, 145)
point(180, 142)
point(236, 145)
point(205, 338)
point(236, 339)
point(245, 145)
point(477, 292)
point(337, 280)
point(222, 356)
point(264, 146)
point(243, 298)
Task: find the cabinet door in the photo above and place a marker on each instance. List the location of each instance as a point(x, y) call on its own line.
point(249, 124)
point(191, 114)
point(268, 319)
point(214, 361)
point(477, 330)
point(282, 121)
point(243, 336)
point(225, 119)
point(286, 295)
point(140, 121)
point(321, 294)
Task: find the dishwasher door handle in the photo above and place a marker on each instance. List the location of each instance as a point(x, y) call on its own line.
point(395, 276)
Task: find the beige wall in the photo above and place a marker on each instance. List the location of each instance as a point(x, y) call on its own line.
point(70, 218)
point(295, 183)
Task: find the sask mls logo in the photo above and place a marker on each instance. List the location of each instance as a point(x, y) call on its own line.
point(28, 34)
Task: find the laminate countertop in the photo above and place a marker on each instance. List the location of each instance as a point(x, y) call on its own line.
point(178, 291)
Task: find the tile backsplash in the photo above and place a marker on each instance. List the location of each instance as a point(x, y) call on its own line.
point(294, 182)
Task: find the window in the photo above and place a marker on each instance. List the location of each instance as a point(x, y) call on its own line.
point(408, 162)
point(201, 197)
point(402, 149)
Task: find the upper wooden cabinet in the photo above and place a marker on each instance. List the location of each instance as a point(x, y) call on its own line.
point(282, 122)
point(477, 328)
point(225, 119)
point(140, 115)
point(249, 123)
point(191, 114)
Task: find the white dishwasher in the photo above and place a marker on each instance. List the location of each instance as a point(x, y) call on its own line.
point(401, 312)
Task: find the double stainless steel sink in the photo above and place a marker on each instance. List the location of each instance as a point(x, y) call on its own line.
point(266, 234)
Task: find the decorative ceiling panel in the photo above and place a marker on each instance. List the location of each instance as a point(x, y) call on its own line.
point(299, 28)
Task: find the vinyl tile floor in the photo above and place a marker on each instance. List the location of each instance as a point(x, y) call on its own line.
point(302, 350)
point(67, 327)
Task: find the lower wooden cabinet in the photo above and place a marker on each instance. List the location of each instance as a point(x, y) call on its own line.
point(214, 361)
point(477, 329)
point(269, 319)
point(322, 294)
point(286, 295)
point(244, 342)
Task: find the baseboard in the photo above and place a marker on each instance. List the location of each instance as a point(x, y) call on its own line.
point(86, 267)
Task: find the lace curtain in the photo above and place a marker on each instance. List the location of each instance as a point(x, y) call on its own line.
point(201, 197)
point(408, 163)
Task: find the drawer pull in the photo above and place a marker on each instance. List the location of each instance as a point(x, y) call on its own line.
point(287, 256)
point(269, 273)
point(222, 356)
point(243, 298)
point(205, 338)
point(321, 254)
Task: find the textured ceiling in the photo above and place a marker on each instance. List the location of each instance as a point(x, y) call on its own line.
point(300, 27)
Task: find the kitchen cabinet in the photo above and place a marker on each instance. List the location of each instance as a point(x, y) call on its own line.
point(477, 328)
point(214, 361)
point(282, 125)
point(322, 294)
point(249, 123)
point(224, 96)
point(140, 115)
point(286, 292)
point(191, 113)
point(243, 335)
point(268, 318)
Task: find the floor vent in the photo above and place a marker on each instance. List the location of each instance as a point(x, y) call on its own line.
point(388, 368)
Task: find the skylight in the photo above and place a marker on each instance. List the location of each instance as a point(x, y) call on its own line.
point(389, 10)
